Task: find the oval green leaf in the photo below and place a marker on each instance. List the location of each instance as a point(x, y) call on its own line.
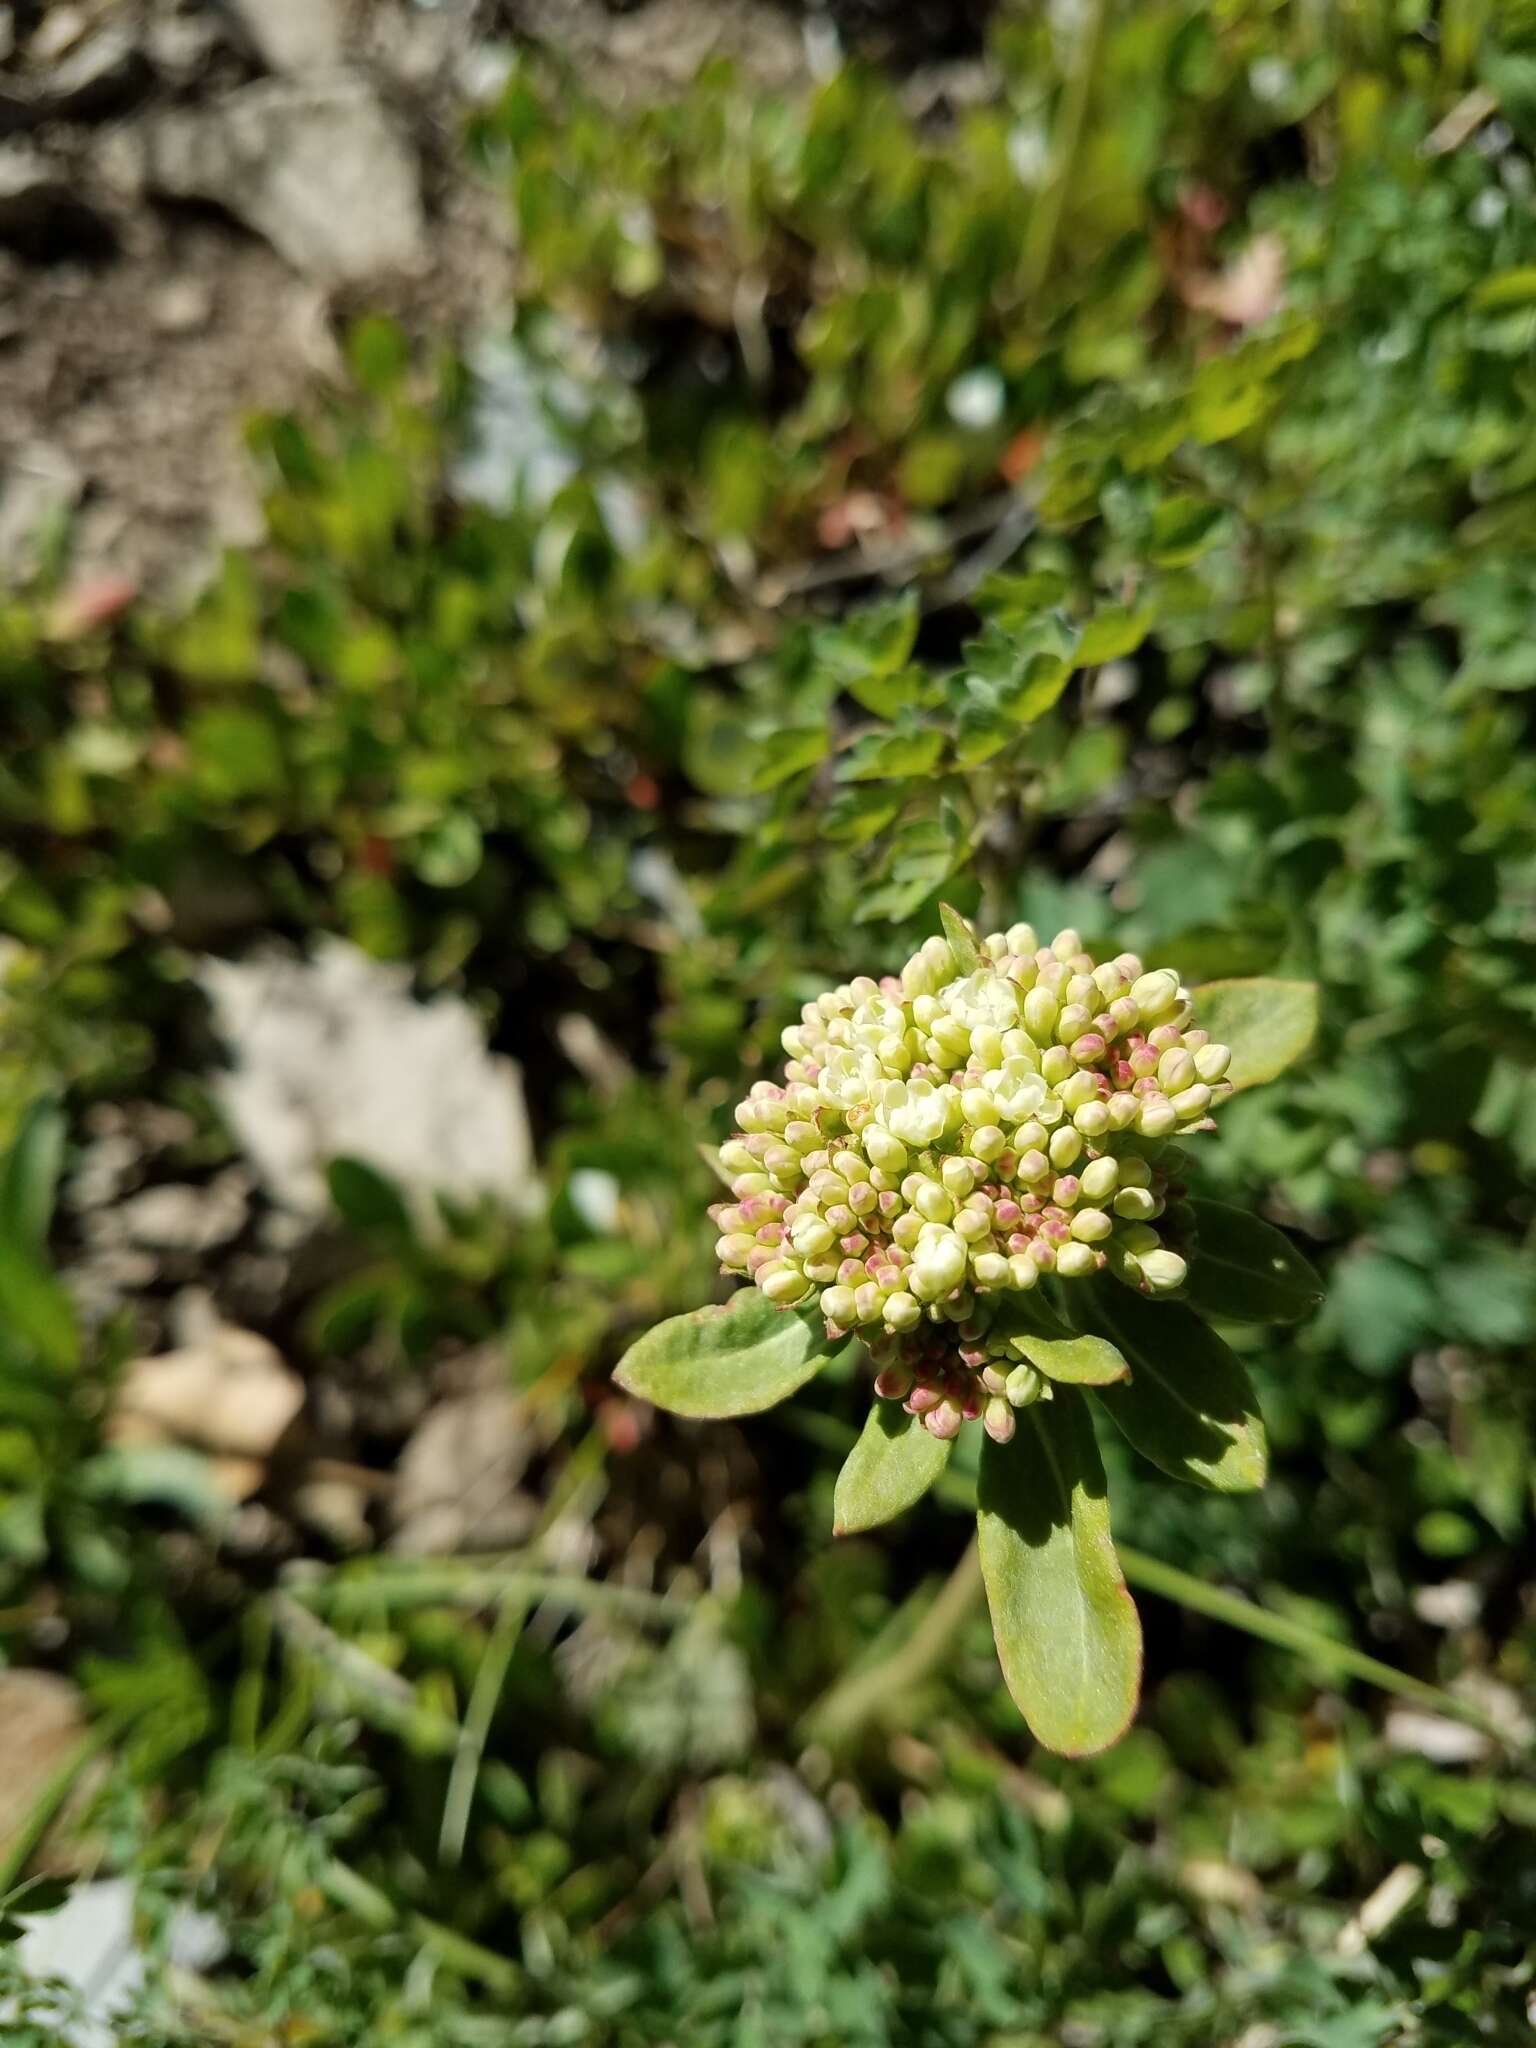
point(1076, 1361)
point(1268, 1023)
point(962, 940)
point(1244, 1270)
point(1068, 1635)
point(1189, 1404)
point(891, 1467)
point(735, 1360)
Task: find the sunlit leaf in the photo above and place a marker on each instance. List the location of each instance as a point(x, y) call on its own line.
point(892, 1465)
point(1269, 1024)
point(734, 1360)
point(1068, 1635)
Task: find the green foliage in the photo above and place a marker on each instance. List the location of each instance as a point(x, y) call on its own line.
point(986, 547)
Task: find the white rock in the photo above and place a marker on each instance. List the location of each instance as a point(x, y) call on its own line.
point(291, 35)
point(89, 1943)
point(335, 1058)
point(320, 170)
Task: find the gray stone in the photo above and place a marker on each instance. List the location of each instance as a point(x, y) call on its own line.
point(321, 171)
point(295, 36)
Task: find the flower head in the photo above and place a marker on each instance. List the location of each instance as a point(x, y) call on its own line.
point(945, 1136)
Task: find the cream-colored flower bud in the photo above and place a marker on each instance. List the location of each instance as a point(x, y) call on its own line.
point(1162, 1270)
point(1066, 1146)
point(1193, 1101)
point(1153, 993)
point(1076, 1261)
point(837, 1305)
point(990, 1269)
point(1137, 1205)
point(1212, 1061)
point(1099, 1178)
point(783, 1284)
point(1091, 1226)
point(902, 1311)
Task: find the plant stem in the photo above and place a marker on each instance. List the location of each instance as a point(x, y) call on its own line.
point(865, 1693)
point(489, 1680)
point(1288, 1634)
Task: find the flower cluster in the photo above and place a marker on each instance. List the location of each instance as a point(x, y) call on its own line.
point(945, 1136)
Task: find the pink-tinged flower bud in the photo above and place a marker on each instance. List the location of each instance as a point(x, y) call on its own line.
point(890, 1202)
point(1143, 1062)
point(945, 1420)
point(1065, 1190)
point(784, 1284)
point(1091, 1226)
point(1066, 1145)
point(1075, 1261)
point(837, 1305)
point(867, 1303)
point(1162, 1270)
point(998, 1420)
point(902, 1311)
point(841, 1218)
point(770, 1233)
point(1212, 1061)
point(862, 1198)
point(924, 1397)
point(894, 1383)
point(1034, 1166)
point(1087, 1048)
point(1166, 1037)
point(1006, 1213)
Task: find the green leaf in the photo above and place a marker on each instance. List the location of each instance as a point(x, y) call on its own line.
point(1505, 288)
point(735, 1360)
point(364, 1198)
point(1269, 1024)
point(1068, 1635)
point(962, 940)
point(29, 1177)
point(779, 755)
point(35, 1308)
point(1075, 1361)
point(1189, 1405)
point(877, 756)
point(1246, 1271)
point(892, 1465)
point(1112, 633)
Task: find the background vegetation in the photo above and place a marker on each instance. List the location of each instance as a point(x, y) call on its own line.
point(1110, 502)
